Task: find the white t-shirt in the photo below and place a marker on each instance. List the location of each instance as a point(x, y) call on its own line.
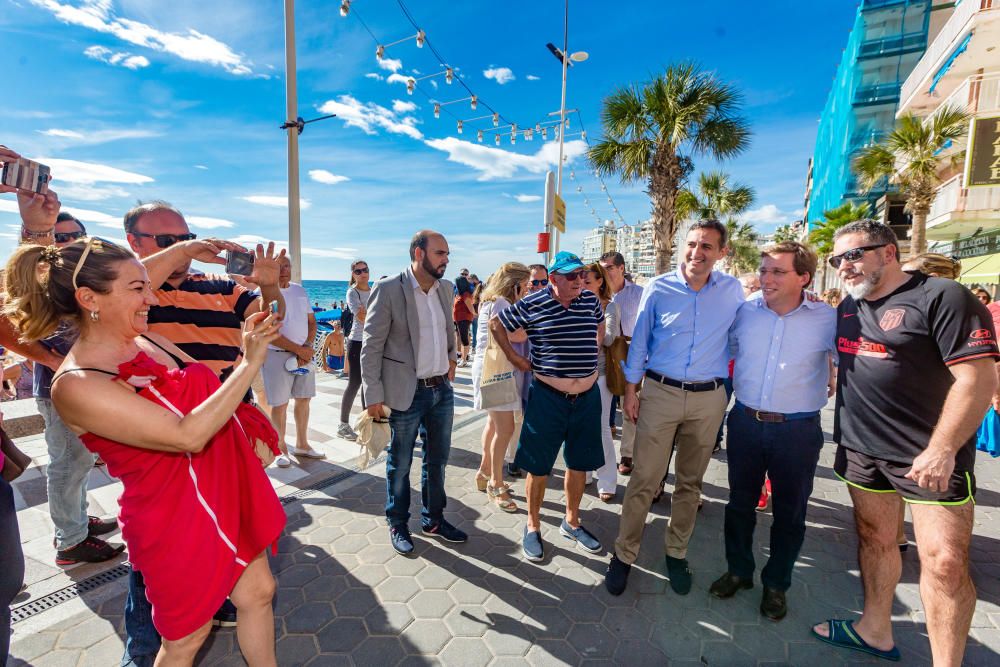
point(297, 309)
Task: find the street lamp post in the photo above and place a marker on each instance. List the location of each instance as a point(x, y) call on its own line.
point(291, 114)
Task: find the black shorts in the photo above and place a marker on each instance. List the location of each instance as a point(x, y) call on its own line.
point(463, 331)
point(879, 476)
point(550, 419)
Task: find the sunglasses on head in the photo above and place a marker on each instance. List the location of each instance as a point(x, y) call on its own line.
point(539, 283)
point(95, 244)
point(853, 255)
point(166, 240)
point(361, 271)
point(66, 237)
point(574, 275)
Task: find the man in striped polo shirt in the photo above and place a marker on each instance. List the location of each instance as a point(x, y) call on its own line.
point(564, 404)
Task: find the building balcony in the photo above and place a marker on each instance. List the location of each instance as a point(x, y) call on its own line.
point(965, 45)
point(867, 5)
point(958, 211)
point(977, 95)
point(893, 46)
point(879, 93)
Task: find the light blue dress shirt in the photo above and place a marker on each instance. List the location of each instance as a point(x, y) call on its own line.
point(682, 333)
point(782, 362)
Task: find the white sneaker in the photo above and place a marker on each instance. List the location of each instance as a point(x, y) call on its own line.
point(282, 461)
point(346, 432)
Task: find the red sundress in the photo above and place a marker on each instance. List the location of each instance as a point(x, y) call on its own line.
point(192, 522)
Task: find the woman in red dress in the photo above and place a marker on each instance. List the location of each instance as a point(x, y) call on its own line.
point(197, 510)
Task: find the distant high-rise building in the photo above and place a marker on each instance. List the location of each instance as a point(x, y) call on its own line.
point(599, 241)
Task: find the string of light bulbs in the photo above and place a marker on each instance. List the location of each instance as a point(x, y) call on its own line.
point(597, 177)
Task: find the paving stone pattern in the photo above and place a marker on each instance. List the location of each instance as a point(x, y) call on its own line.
point(345, 598)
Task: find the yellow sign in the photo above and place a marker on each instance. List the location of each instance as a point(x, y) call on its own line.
point(559, 214)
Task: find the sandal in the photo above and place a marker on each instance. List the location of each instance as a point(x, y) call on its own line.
point(482, 481)
point(606, 497)
point(843, 635)
point(497, 495)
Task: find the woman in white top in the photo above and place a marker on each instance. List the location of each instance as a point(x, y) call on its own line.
point(596, 281)
point(357, 301)
point(506, 286)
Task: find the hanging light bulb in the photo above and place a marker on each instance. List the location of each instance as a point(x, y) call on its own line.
point(437, 110)
point(513, 139)
point(567, 122)
point(479, 136)
point(593, 212)
point(474, 102)
point(421, 36)
point(545, 133)
point(529, 134)
point(583, 134)
point(380, 52)
point(411, 83)
point(449, 75)
point(497, 138)
point(579, 188)
point(496, 120)
point(604, 187)
point(572, 175)
point(609, 201)
point(460, 127)
point(345, 7)
point(538, 127)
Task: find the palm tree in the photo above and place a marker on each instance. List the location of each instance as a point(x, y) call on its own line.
point(821, 237)
point(652, 131)
point(744, 254)
point(714, 197)
point(785, 233)
point(914, 144)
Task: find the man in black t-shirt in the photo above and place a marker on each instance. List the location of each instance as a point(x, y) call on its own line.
point(916, 376)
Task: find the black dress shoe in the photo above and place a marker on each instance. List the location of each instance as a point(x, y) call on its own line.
point(616, 577)
point(680, 575)
point(729, 585)
point(773, 605)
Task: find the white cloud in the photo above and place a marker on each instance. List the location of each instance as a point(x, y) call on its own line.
point(201, 166)
point(87, 173)
point(525, 199)
point(71, 192)
point(769, 214)
point(368, 116)
point(399, 106)
point(498, 163)
point(250, 240)
point(97, 217)
point(390, 64)
point(532, 77)
point(276, 201)
point(67, 134)
point(501, 75)
point(374, 75)
point(120, 58)
point(397, 78)
point(203, 222)
point(192, 46)
point(325, 177)
point(98, 136)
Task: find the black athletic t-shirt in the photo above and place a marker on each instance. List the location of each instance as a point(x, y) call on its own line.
point(894, 358)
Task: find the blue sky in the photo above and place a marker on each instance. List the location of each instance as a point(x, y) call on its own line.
point(181, 100)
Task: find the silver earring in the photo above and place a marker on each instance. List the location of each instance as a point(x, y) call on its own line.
point(94, 316)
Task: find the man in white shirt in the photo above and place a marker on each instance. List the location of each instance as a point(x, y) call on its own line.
point(408, 360)
point(281, 384)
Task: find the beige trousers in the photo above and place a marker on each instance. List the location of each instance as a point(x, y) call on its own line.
point(669, 414)
point(628, 434)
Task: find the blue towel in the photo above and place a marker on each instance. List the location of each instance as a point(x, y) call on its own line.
point(988, 435)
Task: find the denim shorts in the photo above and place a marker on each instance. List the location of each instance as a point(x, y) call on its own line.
point(550, 419)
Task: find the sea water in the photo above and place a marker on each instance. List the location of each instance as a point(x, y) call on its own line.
point(326, 292)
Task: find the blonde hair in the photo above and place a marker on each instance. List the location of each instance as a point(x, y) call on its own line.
point(38, 283)
point(604, 291)
point(832, 297)
point(506, 282)
point(935, 264)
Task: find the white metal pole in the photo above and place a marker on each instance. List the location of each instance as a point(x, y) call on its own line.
point(562, 117)
point(291, 113)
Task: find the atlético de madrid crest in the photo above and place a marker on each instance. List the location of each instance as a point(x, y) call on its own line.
point(891, 319)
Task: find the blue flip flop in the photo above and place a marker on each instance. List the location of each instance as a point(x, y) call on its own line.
point(843, 634)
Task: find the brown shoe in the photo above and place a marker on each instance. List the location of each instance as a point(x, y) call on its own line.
point(625, 467)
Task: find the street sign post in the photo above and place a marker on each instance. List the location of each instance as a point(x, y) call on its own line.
point(559, 214)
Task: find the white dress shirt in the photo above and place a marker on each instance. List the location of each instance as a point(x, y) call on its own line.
point(627, 300)
point(432, 352)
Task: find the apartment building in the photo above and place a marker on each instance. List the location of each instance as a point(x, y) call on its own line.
point(600, 240)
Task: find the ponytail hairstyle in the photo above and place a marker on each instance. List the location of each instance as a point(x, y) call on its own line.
point(506, 283)
point(353, 280)
point(38, 283)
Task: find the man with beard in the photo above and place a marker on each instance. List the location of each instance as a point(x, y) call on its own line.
point(408, 360)
point(916, 375)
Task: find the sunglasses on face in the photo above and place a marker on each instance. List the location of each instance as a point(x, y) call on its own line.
point(361, 271)
point(539, 283)
point(166, 240)
point(853, 255)
point(575, 275)
point(66, 237)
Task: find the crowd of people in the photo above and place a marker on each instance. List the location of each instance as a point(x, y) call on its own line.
point(180, 382)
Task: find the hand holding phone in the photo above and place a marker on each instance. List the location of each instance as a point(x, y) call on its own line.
point(239, 263)
point(26, 175)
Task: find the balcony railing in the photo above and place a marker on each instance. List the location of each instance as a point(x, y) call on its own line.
point(879, 4)
point(864, 138)
point(951, 198)
point(979, 93)
point(944, 42)
point(888, 46)
point(880, 93)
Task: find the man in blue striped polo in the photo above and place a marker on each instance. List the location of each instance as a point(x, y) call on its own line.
point(564, 403)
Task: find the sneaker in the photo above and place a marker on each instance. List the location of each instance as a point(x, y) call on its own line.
point(98, 526)
point(583, 538)
point(532, 546)
point(616, 578)
point(445, 531)
point(765, 496)
point(513, 470)
point(346, 432)
point(226, 616)
point(282, 461)
point(401, 540)
point(680, 575)
point(91, 550)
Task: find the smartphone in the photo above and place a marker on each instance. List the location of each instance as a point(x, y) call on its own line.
point(26, 175)
point(274, 307)
point(239, 263)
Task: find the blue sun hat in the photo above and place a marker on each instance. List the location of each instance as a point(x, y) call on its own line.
point(565, 262)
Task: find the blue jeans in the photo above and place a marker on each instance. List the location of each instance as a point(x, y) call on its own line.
point(11, 564)
point(142, 641)
point(66, 479)
point(787, 453)
point(435, 408)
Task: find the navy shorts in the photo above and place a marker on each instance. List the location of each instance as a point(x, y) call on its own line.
point(880, 476)
point(550, 419)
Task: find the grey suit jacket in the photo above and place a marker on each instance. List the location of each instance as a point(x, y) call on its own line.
point(391, 339)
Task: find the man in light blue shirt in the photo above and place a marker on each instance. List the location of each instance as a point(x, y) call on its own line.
point(783, 345)
point(680, 350)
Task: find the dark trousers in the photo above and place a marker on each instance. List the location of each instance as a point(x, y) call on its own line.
point(353, 380)
point(788, 453)
point(434, 408)
point(142, 641)
point(11, 564)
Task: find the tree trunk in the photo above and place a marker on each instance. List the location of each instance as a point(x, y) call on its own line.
point(664, 184)
point(918, 232)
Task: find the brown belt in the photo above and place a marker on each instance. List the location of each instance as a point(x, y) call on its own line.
point(432, 381)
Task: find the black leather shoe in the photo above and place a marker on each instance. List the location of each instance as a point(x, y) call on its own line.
point(729, 585)
point(616, 578)
point(680, 575)
point(773, 605)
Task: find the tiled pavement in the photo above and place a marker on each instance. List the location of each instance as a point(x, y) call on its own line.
point(345, 597)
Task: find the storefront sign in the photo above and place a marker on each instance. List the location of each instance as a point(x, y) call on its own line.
point(974, 246)
point(982, 162)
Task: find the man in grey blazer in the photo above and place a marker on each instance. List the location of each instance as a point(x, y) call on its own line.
point(408, 364)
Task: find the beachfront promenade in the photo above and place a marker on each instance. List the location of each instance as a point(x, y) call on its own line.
point(346, 598)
